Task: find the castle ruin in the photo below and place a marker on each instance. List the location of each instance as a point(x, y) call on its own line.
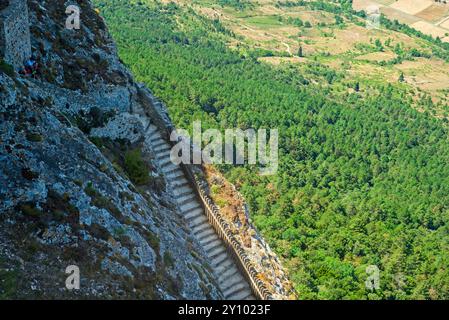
point(15, 42)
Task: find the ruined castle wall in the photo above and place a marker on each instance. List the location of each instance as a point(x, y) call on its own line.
point(15, 43)
point(2, 40)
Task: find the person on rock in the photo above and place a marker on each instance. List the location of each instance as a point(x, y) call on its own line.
point(30, 67)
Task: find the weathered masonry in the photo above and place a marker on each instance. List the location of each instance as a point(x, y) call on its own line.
point(15, 43)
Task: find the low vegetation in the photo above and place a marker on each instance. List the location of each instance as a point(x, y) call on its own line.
point(6, 68)
point(136, 168)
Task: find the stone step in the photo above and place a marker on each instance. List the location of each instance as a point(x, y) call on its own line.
point(170, 170)
point(242, 295)
point(166, 162)
point(162, 148)
point(151, 130)
point(186, 199)
point(209, 239)
point(154, 135)
point(179, 183)
point(154, 130)
point(203, 227)
point(190, 206)
point(230, 272)
point(216, 252)
point(219, 259)
point(237, 291)
point(212, 245)
point(205, 234)
point(194, 214)
point(158, 143)
point(163, 154)
point(225, 265)
point(198, 221)
point(156, 138)
point(180, 191)
point(231, 281)
point(174, 175)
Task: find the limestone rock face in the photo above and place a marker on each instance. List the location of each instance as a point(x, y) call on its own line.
point(15, 44)
point(77, 185)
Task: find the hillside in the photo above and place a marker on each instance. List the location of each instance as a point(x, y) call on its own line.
point(428, 16)
point(327, 34)
point(70, 196)
point(92, 204)
point(80, 184)
point(362, 115)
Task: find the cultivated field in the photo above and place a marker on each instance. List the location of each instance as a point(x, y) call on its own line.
point(412, 7)
point(428, 28)
point(360, 54)
point(427, 16)
point(434, 13)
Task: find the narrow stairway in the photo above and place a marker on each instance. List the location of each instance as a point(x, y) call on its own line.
point(229, 278)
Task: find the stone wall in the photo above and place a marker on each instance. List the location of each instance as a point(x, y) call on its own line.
point(15, 42)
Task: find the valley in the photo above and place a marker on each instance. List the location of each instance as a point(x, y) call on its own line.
point(362, 115)
point(346, 45)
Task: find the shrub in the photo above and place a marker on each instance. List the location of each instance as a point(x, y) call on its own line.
point(34, 137)
point(9, 280)
point(30, 210)
point(136, 168)
point(168, 259)
point(7, 68)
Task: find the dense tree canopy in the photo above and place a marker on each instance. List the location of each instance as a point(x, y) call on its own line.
point(363, 179)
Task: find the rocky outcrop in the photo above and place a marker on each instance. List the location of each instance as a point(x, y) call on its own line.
point(69, 190)
point(86, 180)
point(64, 203)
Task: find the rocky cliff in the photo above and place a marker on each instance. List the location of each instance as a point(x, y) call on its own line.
point(86, 181)
point(78, 185)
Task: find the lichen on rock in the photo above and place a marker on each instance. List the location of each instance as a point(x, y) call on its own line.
point(65, 196)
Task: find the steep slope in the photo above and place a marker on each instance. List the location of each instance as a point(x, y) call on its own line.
point(64, 200)
point(86, 181)
point(230, 280)
point(363, 176)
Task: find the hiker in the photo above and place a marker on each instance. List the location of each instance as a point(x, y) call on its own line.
point(30, 67)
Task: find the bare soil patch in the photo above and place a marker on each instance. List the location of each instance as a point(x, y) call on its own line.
point(412, 7)
point(428, 28)
point(434, 13)
point(427, 74)
point(377, 56)
point(280, 60)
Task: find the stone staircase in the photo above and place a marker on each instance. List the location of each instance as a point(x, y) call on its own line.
point(229, 278)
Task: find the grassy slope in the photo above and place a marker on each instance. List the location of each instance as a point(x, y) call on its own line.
point(344, 45)
point(363, 177)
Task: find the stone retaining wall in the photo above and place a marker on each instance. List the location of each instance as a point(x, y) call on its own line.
point(15, 41)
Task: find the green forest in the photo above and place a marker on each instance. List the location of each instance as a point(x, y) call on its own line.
point(363, 179)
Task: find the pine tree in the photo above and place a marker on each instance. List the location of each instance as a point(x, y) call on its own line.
point(401, 77)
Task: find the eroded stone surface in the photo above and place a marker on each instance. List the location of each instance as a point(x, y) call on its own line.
point(64, 199)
